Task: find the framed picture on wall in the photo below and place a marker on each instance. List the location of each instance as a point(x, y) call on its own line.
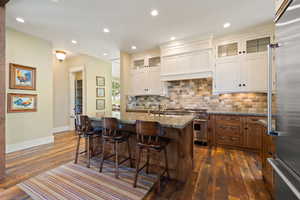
point(100, 92)
point(100, 104)
point(100, 81)
point(22, 77)
point(21, 103)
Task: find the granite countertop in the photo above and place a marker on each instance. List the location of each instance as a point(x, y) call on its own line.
point(171, 121)
point(215, 112)
point(257, 114)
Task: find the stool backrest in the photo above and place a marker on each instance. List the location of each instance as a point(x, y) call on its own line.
point(110, 127)
point(82, 123)
point(147, 132)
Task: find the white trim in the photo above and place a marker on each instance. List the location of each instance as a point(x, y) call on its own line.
point(60, 129)
point(28, 144)
point(186, 76)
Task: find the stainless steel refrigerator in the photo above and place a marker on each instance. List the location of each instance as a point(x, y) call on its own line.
point(287, 63)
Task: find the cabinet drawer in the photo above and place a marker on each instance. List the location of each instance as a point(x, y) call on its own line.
point(228, 130)
point(229, 140)
point(228, 119)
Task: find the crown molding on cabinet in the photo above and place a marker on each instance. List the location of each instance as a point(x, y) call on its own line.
point(186, 46)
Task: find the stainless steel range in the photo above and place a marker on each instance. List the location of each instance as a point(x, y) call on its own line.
point(200, 124)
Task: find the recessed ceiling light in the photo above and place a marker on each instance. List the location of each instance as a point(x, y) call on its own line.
point(154, 13)
point(106, 30)
point(133, 47)
point(21, 20)
point(173, 38)
point(55, 1)
point(227, 25)
point(74, 41)
point(105, 54)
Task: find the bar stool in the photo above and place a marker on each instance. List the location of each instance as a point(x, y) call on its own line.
point(149, 139)
point(84, 130)
point(113, 135)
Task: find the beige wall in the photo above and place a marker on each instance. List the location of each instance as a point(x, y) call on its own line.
point(61, 116)
point(25, 127)
point(125, 60)
point(93, 67)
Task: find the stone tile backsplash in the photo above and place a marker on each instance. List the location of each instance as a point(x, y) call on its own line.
point(198, 94)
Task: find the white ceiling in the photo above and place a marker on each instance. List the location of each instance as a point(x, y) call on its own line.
point(130, 21)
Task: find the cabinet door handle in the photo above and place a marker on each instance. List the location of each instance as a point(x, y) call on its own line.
point(244, 51)
point(244, 84)
point(270, 153)
point(240, 85)
point(240, 52)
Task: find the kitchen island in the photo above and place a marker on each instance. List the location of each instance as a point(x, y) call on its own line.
point(179, 129)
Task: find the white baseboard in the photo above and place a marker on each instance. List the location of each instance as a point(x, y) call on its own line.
point(60, 129)
point(28, 144)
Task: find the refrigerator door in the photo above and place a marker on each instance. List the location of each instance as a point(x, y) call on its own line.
point(288, 87)
point(287, 181)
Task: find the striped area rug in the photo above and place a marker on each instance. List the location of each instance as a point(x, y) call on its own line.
point(76, 182)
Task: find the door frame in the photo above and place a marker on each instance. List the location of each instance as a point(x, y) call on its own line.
point(2, 88)
point(72, 72)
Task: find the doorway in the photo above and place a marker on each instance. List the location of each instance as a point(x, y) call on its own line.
point(116, 89)
point(77, 93)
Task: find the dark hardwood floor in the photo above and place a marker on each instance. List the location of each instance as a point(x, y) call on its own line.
point(218, 173)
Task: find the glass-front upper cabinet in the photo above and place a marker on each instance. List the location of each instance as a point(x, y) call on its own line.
point(146, 62)
point(257, 45)
point(227, 50)
point(154, 62)
point(137, 64)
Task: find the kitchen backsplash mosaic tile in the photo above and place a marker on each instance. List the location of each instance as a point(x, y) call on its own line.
point(198, 94)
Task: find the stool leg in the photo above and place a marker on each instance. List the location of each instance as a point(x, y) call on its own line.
point(77, 149)
point(129, 153)
point(85, 145)
point(103, 153)
point(137, 166)
point(117, 160)
point(166, 162)
point(88, 152)
point(147, 162)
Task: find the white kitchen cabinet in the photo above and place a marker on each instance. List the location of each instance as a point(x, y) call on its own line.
point(145, 61)
point(137, 82)
point(187, 60)
point(187, 66)
point(227, 75)
point(241, 65)
point(170, 65)
point(255, 72)
point(146, 81)
point(154, 84)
